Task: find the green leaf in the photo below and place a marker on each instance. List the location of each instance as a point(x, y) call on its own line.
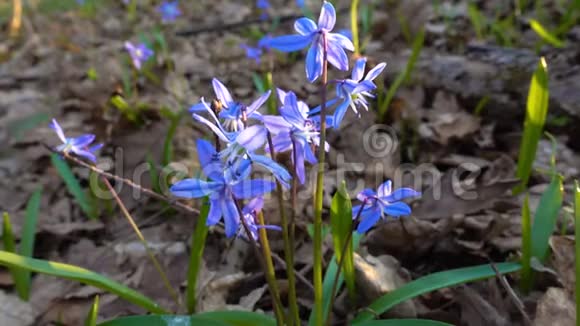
point(545, 34)
point(430, 283)
point(75, 273)
point(168, 143)
point(258, 83)
point(536, 111)
point(404, 75)
point(93, 313)
point(27, 241)
point(18, 276)
point(341, 226)
point(545, 218)
point(402, 322)
point(153, 173)
point(196, 256)
point(73, 185)
point(526, 274)
point(20, 127)
point(212, 318)
point(477, 20)
point(329, 277)
point(577, 245)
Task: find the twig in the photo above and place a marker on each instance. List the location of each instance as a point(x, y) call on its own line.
point(128, 182)
point(516, 300)
point(299, 275)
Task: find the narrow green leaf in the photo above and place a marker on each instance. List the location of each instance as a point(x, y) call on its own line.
point(545, 34)
point(328, 281)
point(430, 283)
point(168, 143)
point(545, 218)
point(258, 83)
point(526, 274)
point(577, 245)
point(196, 256)
point(93, 313)
point(404, 75)
point(536, 111)
point(9, 242)
point(73, 185)
point(212, 318)
point(27, 242)
point(20, 127)
point(79, 274)
point(153, 173)
point(477, 19)
point(341, 226)
point(402, 322)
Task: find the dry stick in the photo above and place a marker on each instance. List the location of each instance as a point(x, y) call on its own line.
point(150, 253)
point(288, 250)
point(298, 274)
point(128, 182)
point(518, 303)
point(273, 288)
point(340, 263)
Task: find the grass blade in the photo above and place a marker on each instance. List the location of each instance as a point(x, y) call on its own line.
point(526, 274)
point(10, 245)
point(73, 185)
point(577, 245)
point(403, 75)
point(93, 313)
point(403, 322)
point(341, 226)
point(545, 218)
point(545, 35)
point(212, 318)
point(328, 281)
point(196, 256)
point(430, 283)
point(27, 242)
point(75, 273)
point(536, 111)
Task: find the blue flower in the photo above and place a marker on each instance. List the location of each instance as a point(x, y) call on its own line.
point(295, 130)
point(250, 212)
point(353, 91)
point(232, 112)
point(263, 6)
point(300, 3)
point(225, 185)
point(384, 201)
point(313, 35)
point(77, 145)
point(255, 53)
point(242, 144)
point(169, 10)
point(139, 53)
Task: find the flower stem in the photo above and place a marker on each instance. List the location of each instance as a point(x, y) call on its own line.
point(293, 316)
point(354, 26)
point(317, 267)
point(269, 271)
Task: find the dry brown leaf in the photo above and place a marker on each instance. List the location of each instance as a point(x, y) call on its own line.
point(555, 308)
point(563, 260)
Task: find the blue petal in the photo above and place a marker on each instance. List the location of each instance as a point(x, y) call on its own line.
point(194, 188)
point(231, 217)
point(215, 128)
point(222, 92)
point(254, 205)
point(258, 103)
point(401, 194)
point(358, 70)
point(199, 107)
point(314, 62)
point(252, 137)
point(369, 217)
point(309, 154)
point(340, 112)
point(56, 127)
point(365, 194)
point(299, 162)
point(82, 140)
point(209, 160)
point(215, 212)
point(327, 17)
point(282, 142)
point(277, 170)
point(84, 153)
point(291, 112)
point(397, 209)
point(305, 26)
point(276, 124)
point(337, 57)
point(289, 43)
point(341, 41)
point(376, 71)
point(95, 148)
point(385, 189)
point(252, 188)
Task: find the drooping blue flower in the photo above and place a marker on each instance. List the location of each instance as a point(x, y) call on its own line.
point(77, 145)
point(242, 144)
point(294, 130)
point(225, 185)
point(250, 212)
point(255, 53)
point(169, 11)
point(354, 91)
point(311, 34)
point(232, 112)
point(139, 53)
point(383, 201)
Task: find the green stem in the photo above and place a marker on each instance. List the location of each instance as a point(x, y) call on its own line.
point(270, 272)
point(317, 267)
point(354, 26)
point(195, 258)
point(577, 232)
point(293, 316)
point(526, 274)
